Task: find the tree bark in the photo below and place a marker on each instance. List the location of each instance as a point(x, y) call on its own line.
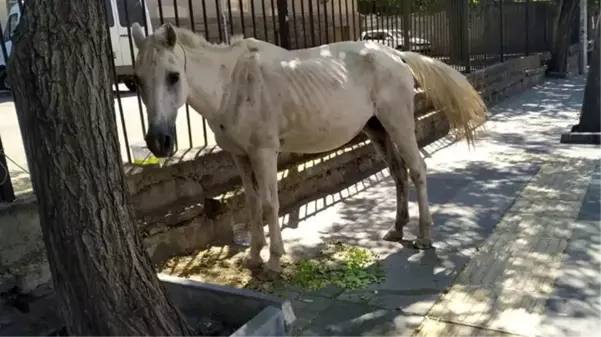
point(103, 278)
point(590, 115)
point(562, 32)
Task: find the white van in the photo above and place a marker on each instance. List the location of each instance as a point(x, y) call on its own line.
point(117, 21)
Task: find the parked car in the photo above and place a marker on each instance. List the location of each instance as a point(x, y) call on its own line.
point(117, 21)
point(395, 38)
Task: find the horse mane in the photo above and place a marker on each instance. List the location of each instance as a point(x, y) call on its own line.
point(190, 39)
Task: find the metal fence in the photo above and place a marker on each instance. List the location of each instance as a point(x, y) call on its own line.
point(468, 34)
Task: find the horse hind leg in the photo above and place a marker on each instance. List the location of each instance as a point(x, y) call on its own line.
point(388, 151)
point(401, 129)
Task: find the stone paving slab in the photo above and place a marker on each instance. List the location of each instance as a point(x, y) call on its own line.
point(435, 328)
point(509, 282)
point(525, 264)
point(563, 209)
point(463, 228)
point(591, 207)
point(535, 225)
point(495, 308)
point(574, 307)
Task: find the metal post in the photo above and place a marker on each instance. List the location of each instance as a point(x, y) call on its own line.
point(465, 32)
point(527, 32)
point(583, 38)
point(406, 25)
point(312, 24)
point(501, 31)
point(7, 193)
point(283, 22)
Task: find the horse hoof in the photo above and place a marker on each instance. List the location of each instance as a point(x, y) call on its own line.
point(268, 275)
point(423, 244)
point(253, 264)
point(393, 235)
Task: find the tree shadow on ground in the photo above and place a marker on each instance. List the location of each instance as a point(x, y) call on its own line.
point(415, 279)
point(544, 113)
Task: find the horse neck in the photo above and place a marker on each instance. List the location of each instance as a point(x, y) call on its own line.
point(206, 72)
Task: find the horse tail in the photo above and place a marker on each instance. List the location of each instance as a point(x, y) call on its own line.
point(450, 92)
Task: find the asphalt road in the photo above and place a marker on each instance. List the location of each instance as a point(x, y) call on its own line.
point(13, 144)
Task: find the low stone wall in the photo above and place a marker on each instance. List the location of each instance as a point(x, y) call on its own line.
point(193, 201)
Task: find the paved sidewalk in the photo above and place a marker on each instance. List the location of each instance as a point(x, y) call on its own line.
point(516, 235)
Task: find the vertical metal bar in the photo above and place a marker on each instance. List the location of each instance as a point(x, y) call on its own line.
point(527, 32)
point(191, 16)
point(253, 18)
point(265, 29)
point(118, 92)
point(396, 19)
point(276, 33)
point(161, 17)
point(241, 6)
point(144, 16)
point(219, 19)
point(294, 25)
point(206, 29)
point(501, 31)
point(340, 20)
point(325, 17)
point(319, 22)
point(354, 17)
point(133, 62)
point(312, 23)
point(283, 21)
point(205, 20)
point(177, 142)
point(304, 24)
point(7, 193)
point(333, 8)
point(176, 13)
point(406, 25)
point(465, 12)
point(230, 17)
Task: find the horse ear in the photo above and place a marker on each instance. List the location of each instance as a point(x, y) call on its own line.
point(138, 35)
point(171, 35)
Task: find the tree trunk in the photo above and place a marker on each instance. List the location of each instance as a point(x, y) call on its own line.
point(562, 32)
point(590, 116)
point(103, 278)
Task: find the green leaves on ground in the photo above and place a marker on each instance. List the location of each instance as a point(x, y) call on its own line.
point(340, 265)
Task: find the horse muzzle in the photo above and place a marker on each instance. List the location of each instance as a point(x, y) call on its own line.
point(160, 140)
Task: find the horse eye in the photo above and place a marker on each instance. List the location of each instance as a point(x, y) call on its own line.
point(172, 78)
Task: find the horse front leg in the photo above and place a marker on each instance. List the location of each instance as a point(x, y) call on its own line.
point(265, 165)
point(253, 204)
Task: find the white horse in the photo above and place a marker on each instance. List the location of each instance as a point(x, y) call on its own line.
point(260, 99)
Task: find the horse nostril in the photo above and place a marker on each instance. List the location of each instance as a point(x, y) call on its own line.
point(167, 142)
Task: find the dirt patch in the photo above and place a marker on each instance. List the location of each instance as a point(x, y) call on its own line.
point(344, 266)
